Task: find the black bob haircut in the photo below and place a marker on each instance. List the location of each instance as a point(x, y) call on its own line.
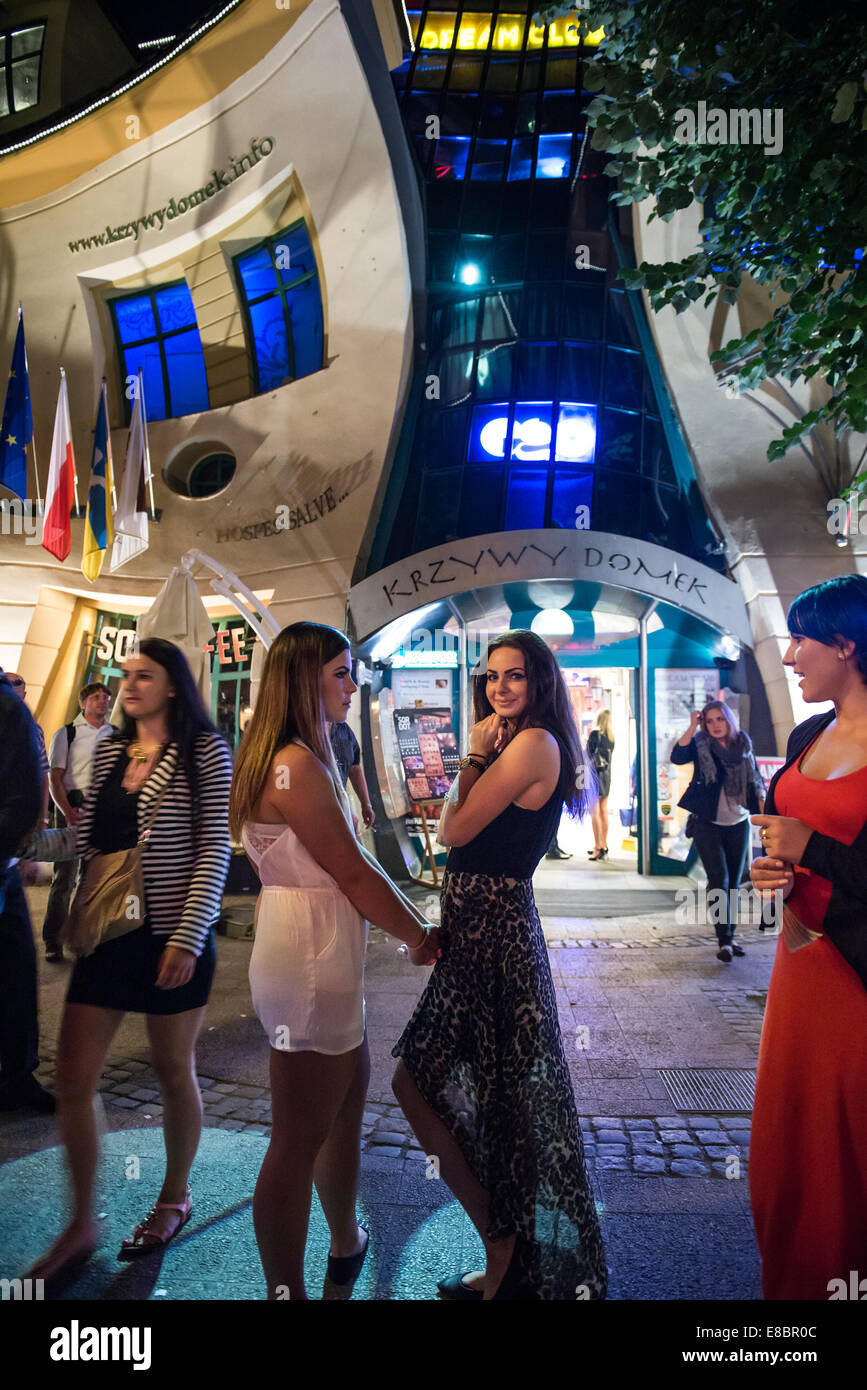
point(833, 611)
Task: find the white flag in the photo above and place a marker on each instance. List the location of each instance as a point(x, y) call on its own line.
point(131, 518)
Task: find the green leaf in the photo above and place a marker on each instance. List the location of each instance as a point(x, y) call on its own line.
point(845, 103)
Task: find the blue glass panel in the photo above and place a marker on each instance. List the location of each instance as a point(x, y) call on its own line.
point(555, 155)
point(135, 318)
point(559, 111)
point(175, 307)
point(148, 358)
point(488, 433)
point(521, 162)
point(269, 338)
point(488, 159)
point(619, 441)
point(571, 491)
point(450, 161)
point(455, 371)
point(537, 370)
point(576, 434)
point(293, 255)
point(494, 371)
point(188, 385)
point(525, 503)
point(579, 371)
point(257, 273)
point(305, 315)
point(531, 432)
point(623, 378)
point(481, 496)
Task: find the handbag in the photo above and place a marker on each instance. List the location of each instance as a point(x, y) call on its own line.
point(691, 823)
point(110, 899)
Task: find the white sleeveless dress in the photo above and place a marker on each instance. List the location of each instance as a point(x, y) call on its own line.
point(307, 965)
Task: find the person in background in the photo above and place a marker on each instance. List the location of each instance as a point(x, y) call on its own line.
point(600, 748)
point(347, 755)
point(726, 788)
point(19, 685)
point(808, 1150)
point(20, 793)
point(70, 759)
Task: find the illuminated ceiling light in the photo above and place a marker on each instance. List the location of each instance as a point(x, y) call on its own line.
point(469, 274)
point(552, 622)
point(729, 647)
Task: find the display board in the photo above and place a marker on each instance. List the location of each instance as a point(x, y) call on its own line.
point(428, 748)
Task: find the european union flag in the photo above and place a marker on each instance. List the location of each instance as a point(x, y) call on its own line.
point(16, 430)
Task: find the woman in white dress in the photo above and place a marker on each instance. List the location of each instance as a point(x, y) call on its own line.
point(289, 809)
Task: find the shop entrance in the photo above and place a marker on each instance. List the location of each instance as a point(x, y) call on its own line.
point(592, 690)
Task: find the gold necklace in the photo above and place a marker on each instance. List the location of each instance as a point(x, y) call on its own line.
point(140, 754)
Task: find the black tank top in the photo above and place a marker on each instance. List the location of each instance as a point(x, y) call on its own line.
point(512, 844)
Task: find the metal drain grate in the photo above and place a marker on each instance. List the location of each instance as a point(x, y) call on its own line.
point(709, 1090)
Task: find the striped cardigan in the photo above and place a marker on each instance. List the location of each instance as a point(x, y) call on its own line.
point(184, 868)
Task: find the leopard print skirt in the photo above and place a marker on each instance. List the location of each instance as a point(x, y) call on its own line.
point(484, 1048)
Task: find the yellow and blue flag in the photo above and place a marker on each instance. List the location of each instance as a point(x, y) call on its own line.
point(98, 528)
point(16, 430)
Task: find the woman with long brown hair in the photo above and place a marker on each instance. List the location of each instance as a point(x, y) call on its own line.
point(289, 809)
point(482, 1076)
point(726, 788)
point(600, 748)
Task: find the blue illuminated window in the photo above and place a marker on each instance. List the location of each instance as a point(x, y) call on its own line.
point(525, 502)
point(157, 334)
point(280, 287)
point(555, 157)
point(571, 491)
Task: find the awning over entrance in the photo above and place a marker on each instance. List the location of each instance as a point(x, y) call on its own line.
point(593, 556)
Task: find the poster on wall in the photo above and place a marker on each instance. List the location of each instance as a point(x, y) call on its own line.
point(428, 750)
point(422, 689)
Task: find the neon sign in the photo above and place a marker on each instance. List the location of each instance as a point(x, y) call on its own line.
point(475, 32)
point(533, 433)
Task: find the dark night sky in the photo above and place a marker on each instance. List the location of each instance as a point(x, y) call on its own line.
point(157, 18)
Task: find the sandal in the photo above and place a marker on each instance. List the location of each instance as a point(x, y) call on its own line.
point(145, 1240)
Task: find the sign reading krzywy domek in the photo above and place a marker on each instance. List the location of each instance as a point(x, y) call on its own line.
point(481, 561)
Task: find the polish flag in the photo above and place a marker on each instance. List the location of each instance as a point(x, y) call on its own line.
point(60, 493)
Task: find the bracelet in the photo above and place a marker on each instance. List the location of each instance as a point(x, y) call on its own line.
point(472, 761)
point(485, 757)
point(424, 937)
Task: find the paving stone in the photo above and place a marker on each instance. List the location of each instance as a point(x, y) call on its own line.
point(236, 1125)
point(646, 1163)
point(119, 1074)
point(611, 1164)
point(386, 1150)
point(206, 1082)
point(648, 1146)
point(605, 1122)
point(667, 1121)
point(417, 1153)
point(689, 1168)
point(369, 1117)
point(720, 1151)
point(255, 1129)
point(125, 1101)
point(701, 1122)
point(612, 1150)
point(387, 1136)
point(687, 1151)
point(211, 1095)
point(125, 1088)
point(226, 1087)
point(222, 1107)
point(674, 1136)
point(708, 1136)
point(249, 1092)
point(144, 1094)
point(639, 1124)
point(739, 1136)
point(609, 1136)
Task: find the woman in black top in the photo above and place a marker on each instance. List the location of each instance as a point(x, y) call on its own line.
point(600, 747)
point(726, 788)
point(482, 1076)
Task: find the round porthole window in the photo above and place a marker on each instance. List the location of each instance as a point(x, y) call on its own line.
point(200, 469)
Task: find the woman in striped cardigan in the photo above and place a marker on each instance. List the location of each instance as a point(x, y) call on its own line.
point(166, 772)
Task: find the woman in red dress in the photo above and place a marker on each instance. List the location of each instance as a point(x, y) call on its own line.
point(808, 1152)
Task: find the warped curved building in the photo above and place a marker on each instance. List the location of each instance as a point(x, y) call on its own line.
point(364, 262)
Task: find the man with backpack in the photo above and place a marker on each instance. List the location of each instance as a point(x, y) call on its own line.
point(70, 760)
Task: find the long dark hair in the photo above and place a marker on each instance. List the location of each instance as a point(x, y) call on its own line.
point(186, 717)
point(831, 610)
point(548, 707)
point(288, 705)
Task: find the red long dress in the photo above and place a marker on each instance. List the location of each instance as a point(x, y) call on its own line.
point(808, 1150)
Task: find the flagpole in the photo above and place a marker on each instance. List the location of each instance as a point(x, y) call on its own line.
point(74, 471)
point(108, 436)
point(33, 438)
point(144, 425)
